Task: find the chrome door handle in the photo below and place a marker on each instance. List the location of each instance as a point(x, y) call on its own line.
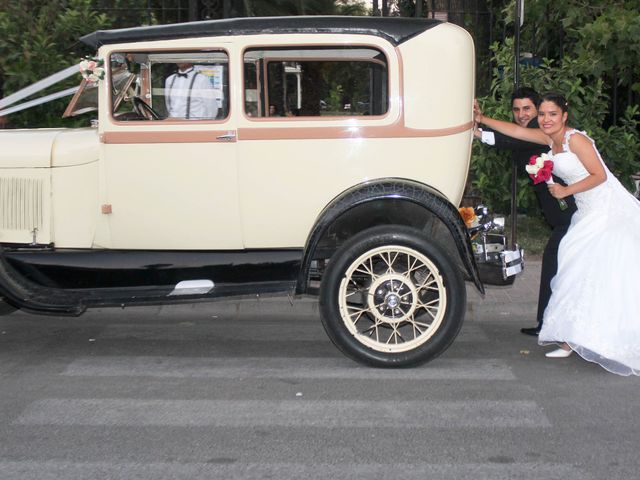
point(227, 136)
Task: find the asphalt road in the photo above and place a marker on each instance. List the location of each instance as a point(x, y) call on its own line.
point(254, 389)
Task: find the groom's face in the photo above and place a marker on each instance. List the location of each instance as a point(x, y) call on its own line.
point(524, 110)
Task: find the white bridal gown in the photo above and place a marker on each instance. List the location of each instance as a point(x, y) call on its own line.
point(595, 304)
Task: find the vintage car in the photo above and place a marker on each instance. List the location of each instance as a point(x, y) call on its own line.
point(310, 155)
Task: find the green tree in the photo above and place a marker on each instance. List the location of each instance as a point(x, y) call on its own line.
point(257, 8)
point(584, 52)
point(38, 39)
point(603, 34)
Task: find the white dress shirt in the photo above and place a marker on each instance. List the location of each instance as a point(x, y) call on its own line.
point(190, 95)
point(487, 137)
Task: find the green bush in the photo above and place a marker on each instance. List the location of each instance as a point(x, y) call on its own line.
point(589, 106)
point(38, 39)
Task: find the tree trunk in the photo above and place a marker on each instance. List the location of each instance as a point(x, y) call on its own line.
point(456, 12)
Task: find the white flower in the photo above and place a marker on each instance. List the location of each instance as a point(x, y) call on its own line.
point(532, 169)
point(541, 159)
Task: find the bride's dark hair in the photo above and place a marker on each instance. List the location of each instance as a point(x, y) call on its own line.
point(556, 98)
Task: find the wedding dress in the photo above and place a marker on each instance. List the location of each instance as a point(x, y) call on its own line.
point(595, 301)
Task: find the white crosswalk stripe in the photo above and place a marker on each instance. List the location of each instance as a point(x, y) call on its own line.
point(288, 413)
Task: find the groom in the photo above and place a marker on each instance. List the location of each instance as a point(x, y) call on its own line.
point(524, 107)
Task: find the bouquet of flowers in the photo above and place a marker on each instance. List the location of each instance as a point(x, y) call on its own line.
point(539, 169)
point(92, 69)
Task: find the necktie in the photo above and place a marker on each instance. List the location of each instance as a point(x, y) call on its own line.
point(184, 74)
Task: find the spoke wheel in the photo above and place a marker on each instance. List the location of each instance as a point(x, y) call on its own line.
point(390, 297)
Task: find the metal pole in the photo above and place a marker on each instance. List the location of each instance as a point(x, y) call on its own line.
point(516, 84)
point(193, 10)
point(516, 53)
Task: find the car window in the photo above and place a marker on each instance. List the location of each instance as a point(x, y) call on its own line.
point(315, 81)
point(171, 85)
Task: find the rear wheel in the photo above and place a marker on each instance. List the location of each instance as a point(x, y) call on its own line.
point(391, 298)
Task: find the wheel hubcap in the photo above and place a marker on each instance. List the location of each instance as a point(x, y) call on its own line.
point(391, 299)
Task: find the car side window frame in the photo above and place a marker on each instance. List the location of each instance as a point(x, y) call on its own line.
point(145, 87)
point(262, 73)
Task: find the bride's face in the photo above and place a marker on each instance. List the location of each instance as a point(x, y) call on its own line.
point(551, 118)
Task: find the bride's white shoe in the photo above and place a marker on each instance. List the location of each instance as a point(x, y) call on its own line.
point(558, 353)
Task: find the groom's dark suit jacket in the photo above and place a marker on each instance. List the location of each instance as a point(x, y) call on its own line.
point(559, 219)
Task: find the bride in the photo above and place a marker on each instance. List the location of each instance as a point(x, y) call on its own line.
point(594, 308)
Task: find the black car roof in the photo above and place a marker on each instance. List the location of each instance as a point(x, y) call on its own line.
point(394, 29)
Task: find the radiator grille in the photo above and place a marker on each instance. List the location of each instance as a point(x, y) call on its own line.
point(21, 203)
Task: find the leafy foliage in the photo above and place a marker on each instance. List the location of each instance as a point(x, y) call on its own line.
point(38, 39)
point(259, 8)
point(601, 45)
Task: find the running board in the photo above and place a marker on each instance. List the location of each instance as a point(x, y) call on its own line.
point(31, 297)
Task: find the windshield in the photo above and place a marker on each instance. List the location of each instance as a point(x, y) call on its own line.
point(86, 98)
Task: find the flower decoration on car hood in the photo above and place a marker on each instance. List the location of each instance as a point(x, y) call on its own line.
point(92, 69)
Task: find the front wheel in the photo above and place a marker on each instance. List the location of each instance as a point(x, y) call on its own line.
point(392, 298)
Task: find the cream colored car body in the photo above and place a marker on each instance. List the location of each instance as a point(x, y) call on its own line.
point(260, 193)
point(358, 205)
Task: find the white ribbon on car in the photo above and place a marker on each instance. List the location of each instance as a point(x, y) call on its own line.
point(38, 101)
point(35, 88)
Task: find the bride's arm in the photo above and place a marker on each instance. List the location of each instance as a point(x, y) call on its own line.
point(586, 153)
point(533, 135)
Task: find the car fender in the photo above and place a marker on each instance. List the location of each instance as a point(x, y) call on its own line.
point(413, 203)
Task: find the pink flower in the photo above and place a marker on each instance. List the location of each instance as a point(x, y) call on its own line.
point(92, 69)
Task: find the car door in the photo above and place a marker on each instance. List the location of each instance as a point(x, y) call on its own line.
point(319, 118)
point(169, 174)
